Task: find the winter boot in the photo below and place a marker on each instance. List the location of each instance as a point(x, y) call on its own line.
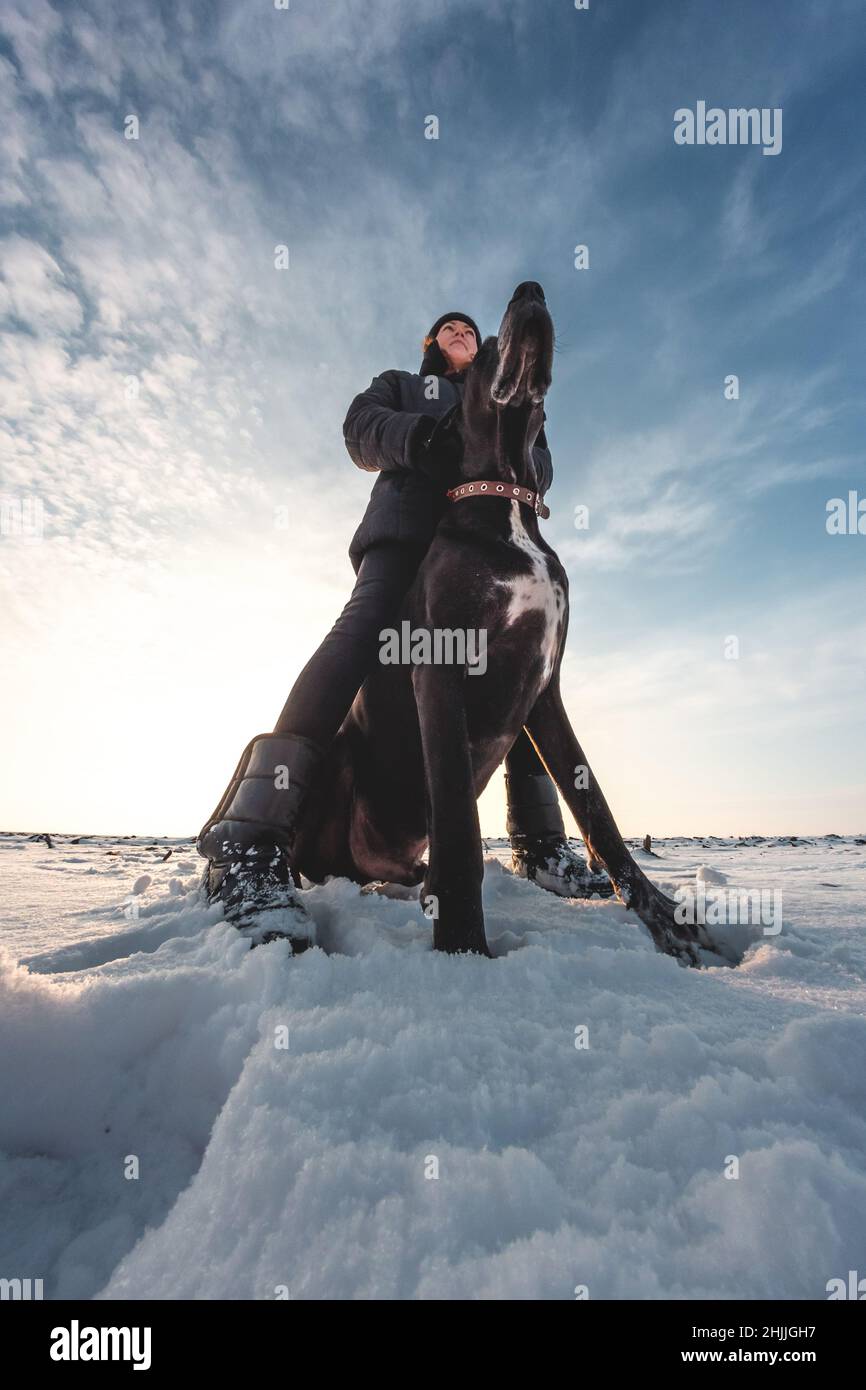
point(540, 850)
point(249, 839)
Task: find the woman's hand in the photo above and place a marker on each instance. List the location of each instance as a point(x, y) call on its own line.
point(437, 444)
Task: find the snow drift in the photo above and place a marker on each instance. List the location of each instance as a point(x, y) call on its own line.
point(386, 1122)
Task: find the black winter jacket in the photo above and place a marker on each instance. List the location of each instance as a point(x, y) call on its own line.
point(405, 504)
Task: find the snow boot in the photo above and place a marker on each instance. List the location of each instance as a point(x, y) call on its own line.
point(540, 850)
point(248, 841)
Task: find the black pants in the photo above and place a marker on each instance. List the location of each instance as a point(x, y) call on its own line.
point(322, 695)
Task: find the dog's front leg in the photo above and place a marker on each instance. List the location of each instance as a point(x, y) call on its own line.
point(456, 863)
point(551, 732)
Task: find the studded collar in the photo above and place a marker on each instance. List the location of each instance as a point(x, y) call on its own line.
point(509, 492)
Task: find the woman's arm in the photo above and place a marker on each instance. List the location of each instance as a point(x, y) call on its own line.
point(377, 432)
point(381, 436)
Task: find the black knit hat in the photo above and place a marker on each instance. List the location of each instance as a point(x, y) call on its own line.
point(434, 362)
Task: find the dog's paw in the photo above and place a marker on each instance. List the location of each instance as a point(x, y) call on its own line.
point(689, 943)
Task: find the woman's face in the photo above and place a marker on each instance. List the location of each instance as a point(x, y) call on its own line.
point(458, 343)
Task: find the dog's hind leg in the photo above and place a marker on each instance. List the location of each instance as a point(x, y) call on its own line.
point(456, 861)
point(550, 730)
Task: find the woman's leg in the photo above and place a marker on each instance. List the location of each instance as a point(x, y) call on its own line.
point(248, 840)
point(539, 845)
point(323, 693)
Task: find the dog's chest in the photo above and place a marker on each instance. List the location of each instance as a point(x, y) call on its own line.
point(535, 592)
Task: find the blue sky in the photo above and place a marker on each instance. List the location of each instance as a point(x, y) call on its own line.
point(160, 620)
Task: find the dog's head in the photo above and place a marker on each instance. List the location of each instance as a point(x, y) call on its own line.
point(506, 383)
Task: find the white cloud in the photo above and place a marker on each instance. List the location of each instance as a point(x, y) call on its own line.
point(163, 600)
point(33, 289)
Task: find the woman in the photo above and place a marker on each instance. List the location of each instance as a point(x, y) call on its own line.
point(399, 428)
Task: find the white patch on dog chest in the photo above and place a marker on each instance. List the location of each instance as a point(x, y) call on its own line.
point(535, 592)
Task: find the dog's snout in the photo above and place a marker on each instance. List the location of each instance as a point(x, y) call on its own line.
point(529, 289)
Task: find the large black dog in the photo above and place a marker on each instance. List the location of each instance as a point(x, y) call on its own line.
point(421, 741)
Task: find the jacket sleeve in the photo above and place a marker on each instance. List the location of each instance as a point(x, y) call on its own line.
point(377, 432)
point(542, 460)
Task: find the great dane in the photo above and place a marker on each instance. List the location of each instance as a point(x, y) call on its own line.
point(421, 741)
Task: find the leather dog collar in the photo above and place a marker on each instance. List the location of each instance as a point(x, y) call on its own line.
point(509, 492)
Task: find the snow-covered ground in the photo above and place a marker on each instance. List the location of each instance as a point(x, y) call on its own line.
point(136, 1025)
